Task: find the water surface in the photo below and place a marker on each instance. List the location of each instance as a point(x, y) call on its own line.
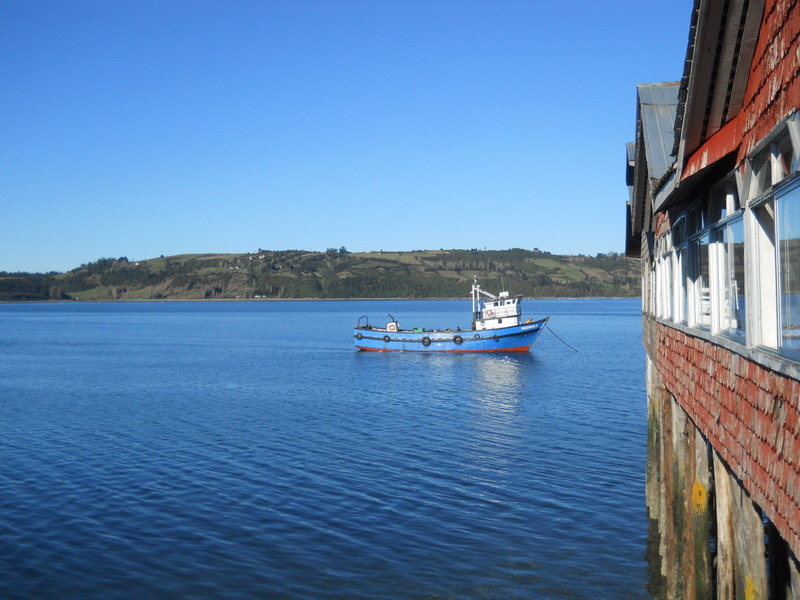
point(245, 450)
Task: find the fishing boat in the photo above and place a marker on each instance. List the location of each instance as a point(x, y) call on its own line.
point(497, 326)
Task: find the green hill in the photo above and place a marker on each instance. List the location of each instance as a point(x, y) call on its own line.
point(332, 274)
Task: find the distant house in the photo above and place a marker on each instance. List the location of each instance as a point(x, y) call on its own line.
point(714, 214)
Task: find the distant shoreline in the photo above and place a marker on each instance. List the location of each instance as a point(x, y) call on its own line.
point(217, 300)
point(333, 275)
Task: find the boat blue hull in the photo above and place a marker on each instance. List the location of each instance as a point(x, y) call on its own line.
point(507, 339)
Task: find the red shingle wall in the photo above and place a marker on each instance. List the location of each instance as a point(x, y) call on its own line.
point(749, 414)
point(662, 224)
point(773, 90)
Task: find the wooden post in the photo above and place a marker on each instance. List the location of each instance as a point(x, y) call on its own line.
point(670, 516)
point(699, 509)
point(724, 510)
point(750, 567)
point(655, 395)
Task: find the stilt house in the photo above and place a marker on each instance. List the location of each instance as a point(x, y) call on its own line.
point(714, 215)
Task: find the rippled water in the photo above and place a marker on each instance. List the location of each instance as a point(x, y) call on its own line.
point(246, 450)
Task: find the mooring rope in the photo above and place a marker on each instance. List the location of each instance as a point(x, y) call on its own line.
point(560, 340)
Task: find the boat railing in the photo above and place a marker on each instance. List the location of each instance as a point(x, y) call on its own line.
point(491, 312)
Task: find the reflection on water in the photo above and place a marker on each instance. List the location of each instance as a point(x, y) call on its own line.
point(501, 379)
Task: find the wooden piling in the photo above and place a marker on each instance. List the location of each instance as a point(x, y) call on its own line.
point(712, 534)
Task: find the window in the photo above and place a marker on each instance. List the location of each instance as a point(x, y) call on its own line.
point(697, 297)
point(789, 269)
point(649, 292)
point(679, 271)
point(775, 161)
point(700, 284)
point(696, 220)
point(667, 281)
point(774, 211)
point(727, 290)
point(661, 310)
point(785, 158)
point(731, 301)
point(764, 289)
point(777, 266)
point(681, 280)
point(664, 278)
point(761, 173)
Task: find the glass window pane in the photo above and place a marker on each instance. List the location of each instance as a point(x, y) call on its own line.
point(696, 220)
point(765, 280)
point(683, 309)
point(789, 271)
point(730, 240)
point(702, 285)
point(732, 194)
point(718, 204)
point(678, 233)
point(785, 156)
point(762, 170)
point(736, 271)
point(666, 286)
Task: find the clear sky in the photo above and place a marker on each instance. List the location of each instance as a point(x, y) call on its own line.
point(146, 127)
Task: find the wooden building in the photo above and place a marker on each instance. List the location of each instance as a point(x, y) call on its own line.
point(714, 214)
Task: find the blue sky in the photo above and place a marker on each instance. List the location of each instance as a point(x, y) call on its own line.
point(140, 127)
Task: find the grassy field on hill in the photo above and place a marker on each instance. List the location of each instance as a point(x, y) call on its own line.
point(332, 274)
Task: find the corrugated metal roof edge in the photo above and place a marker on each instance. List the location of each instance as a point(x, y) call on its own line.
point(657, 106)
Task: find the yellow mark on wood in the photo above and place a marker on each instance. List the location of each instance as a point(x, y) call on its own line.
point(699, 497)
point(750, 592)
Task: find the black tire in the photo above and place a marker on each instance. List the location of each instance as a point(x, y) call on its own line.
point(387, 339)
point(359, 336)
point(426, 341)
point(458, 340)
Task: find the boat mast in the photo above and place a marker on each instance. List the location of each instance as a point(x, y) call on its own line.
point(476, 300)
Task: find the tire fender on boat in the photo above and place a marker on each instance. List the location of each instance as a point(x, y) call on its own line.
point(359, 336)
point(496, 338)
point(426, 341)
point(387, 339)
point(458, 340)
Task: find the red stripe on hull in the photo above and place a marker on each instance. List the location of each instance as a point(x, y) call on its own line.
point(517, 349)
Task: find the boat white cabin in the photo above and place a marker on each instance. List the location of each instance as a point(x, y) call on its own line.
point(494, 312)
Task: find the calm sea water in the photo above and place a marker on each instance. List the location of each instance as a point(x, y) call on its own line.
point(246, 450)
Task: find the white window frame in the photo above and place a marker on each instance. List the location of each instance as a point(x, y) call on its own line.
point(721, 273)
point(681, 282)
point(698, 296)
point(762, 283)
point(725, 292)
point(679, 274)
point(762, 221)
point(664, 277)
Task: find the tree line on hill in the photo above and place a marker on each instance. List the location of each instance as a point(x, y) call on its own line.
point(335, 273)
